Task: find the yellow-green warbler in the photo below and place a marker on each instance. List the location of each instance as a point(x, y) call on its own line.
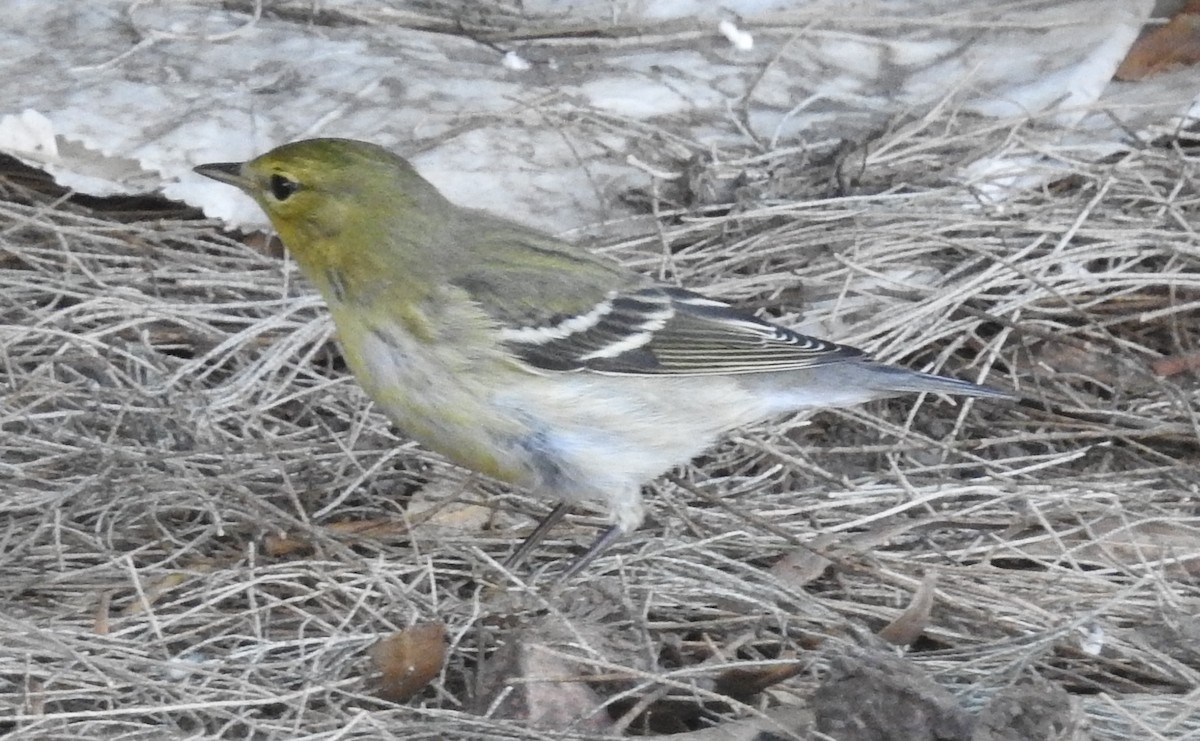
point(526, 358)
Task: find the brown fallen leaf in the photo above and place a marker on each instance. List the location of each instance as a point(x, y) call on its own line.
point(807, 564)
point(1176, 364)
point(452, 503)
point(910, 624)
point(536, 678)
point(409, 660)
point(1176, 44)
point(278, 546)
point(800, 567)
point(743, 683)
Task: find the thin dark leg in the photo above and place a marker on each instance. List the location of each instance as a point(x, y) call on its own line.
point(606, 539)
point(539, 532)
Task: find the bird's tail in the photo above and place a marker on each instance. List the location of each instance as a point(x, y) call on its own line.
point(890, 379)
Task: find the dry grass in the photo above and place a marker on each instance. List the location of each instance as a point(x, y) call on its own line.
point(172, 402)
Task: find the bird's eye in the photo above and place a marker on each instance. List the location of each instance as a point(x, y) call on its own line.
point(282, 187)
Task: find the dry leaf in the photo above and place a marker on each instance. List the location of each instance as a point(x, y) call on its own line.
point(1177, 44)
point(450, 502)
point(1176, 364)
point(535, 679)
point(409, 660)
point(743, 683)
point(278, 546)
point(802, 566)
point(911, 623)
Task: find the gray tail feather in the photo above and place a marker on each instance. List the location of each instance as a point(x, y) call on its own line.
point(895, 380)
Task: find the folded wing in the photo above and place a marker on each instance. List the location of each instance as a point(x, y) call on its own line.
point(657, 330)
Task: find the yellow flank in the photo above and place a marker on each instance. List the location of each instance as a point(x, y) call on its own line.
point(400, 365)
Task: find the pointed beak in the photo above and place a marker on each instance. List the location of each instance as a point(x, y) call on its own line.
point(225, 172)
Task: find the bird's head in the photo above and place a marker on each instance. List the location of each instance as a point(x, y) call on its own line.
point(334, 200)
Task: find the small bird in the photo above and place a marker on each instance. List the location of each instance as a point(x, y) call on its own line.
point(529, 359)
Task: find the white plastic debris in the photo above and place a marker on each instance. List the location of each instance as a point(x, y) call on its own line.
point(739, 39)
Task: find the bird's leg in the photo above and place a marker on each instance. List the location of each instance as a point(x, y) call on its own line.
point(602, 543)
point(539, 532)
point(606, 539)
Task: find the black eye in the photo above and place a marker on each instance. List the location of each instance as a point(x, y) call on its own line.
point(283, 187)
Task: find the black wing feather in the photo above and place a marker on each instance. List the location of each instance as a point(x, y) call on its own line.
point(670, 331)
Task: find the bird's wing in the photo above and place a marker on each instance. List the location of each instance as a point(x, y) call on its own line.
point(656, 330)
point(560, 308)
